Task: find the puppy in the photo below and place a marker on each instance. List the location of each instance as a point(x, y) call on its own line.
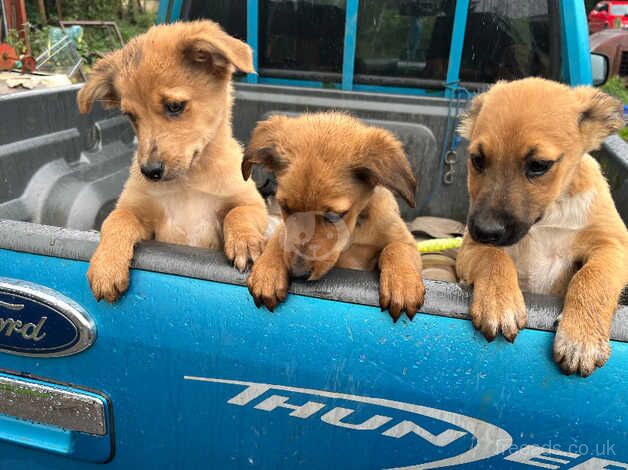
point(334, 181)
point(541, 216)
point(185, 185)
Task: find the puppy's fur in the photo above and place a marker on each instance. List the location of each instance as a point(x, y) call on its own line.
point(542, 218)
point(335, 176)
point(201, 198)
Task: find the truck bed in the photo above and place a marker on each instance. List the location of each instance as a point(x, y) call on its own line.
point(191, 374)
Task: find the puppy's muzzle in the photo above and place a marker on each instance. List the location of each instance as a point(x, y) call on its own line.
point(153, 170)
point(496, 229)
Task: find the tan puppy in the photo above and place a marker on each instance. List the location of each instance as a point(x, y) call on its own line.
point(335, 176)
point(185, 184)
point(541, 217)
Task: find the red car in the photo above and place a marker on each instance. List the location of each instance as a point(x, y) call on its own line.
point(608, 14)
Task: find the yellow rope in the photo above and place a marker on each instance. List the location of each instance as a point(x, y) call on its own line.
point(439, 244)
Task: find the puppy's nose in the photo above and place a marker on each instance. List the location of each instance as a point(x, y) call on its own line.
point(487, 230)
point(153, 170)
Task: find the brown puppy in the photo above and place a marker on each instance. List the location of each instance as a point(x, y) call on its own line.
point(185, 184)
point(335, 176)
point(541, 217)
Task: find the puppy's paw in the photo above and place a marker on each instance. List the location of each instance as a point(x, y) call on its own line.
point(498, 307)
point(108, 277)
point(242, 247)
point(268, 284)
point(401, 290)
point(578, 349)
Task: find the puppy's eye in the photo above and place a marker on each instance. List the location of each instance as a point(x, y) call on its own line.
point(536, 168)
point(479, 162)
point(174, 108)
point(333, 217)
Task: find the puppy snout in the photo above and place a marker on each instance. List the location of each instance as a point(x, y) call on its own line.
point(153, 170)
point(488, 229)
point(300, 267)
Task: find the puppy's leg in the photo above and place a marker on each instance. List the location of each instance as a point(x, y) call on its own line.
point(400, 284)
point(582, 340)
point(268, 281)
point(498, 304)
point(243, 231)
point(108, 272)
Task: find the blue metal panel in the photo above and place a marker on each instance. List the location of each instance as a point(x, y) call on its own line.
point(398, 90)
point(351, 363)
point(575, 43)
point(298, 83)
point(457, 44)
point(252, 35)
point(351, 32)
point(162, 11)
point(175, 15)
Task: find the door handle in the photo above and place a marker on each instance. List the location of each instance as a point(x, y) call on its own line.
point(55, 418)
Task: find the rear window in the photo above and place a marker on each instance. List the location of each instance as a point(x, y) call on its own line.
point(510, 40)
point(230, 14)
point(298, 36)
point(619, 10)
point(398, 41)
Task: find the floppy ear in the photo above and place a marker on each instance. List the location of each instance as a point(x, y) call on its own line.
point(262, 148)
point(467, 120)
point(383, 161)
point(216, 50)
point(600, 116)
point(99, 86)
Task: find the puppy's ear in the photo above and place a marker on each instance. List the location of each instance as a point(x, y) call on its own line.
point(383, 161)
point(99, 86)
point(600, 116)
point(216, 50)
point(262, 148)
point(467, 120)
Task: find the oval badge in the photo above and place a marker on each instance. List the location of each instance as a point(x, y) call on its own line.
point(38, 321)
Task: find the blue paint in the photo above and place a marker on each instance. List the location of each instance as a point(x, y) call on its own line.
point(175, 14)
point(167, 327)
point(457, 44)
point(575, 43)
point(162, 11)
point(351, 32)
point(55, 440)
point(298, 83)
point(398, 90)
point(252, 35)
point(35, 435)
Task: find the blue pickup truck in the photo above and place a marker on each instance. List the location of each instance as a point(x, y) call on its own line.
point(185, 372)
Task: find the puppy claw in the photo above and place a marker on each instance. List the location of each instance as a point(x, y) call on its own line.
point(580, 351)
point(108, 278)
point(498, 309)
point(401, 291)
point(243, 248)
point(268, 284)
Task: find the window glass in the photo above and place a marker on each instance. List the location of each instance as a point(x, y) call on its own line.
point(619, 10)
point(230, 14)
point(301, 35)
point(400, 41)
point(509, 40)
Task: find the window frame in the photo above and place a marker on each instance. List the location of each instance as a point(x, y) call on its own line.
point(575, 66)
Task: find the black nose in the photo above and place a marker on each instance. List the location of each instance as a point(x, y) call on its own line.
point(153, 170)
point(489, 230)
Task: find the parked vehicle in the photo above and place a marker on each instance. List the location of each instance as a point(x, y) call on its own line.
point(185, 372)
point(613, 44)
point(611, 14)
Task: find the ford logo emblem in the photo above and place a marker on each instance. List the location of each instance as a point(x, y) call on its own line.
point(38, 321)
